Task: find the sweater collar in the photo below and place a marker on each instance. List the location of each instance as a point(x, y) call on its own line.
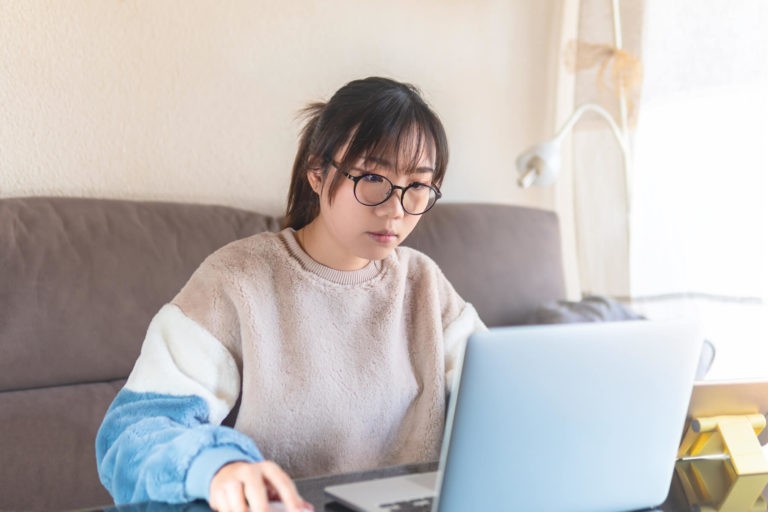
point(371, 270)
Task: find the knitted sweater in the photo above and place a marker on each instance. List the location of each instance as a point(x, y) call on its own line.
point(335, 371)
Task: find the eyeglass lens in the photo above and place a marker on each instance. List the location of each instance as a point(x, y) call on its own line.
point(373, 189)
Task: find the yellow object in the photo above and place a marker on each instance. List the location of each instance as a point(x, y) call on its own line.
point(734, 436)
point(712, 486)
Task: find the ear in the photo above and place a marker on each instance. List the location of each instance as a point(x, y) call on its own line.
point(315, 178)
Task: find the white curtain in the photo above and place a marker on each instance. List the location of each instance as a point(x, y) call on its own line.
point(700, 192)
point(682, 230)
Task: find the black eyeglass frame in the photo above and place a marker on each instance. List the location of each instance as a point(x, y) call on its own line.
point(392, 188)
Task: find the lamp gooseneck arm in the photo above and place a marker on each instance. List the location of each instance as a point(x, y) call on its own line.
point(539, 164)
point(597, 109)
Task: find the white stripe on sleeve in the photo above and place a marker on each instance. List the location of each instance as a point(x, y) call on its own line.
point(179, 357)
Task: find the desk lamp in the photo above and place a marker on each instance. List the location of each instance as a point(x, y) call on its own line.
point(540, 164)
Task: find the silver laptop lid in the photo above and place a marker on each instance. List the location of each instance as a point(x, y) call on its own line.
point(570, 418)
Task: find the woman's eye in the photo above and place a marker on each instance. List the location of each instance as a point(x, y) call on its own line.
point(372, 178)
point(419, 186)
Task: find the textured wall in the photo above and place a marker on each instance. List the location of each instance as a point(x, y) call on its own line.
point(196, 100)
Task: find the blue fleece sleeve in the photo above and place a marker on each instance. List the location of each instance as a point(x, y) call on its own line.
point(160, 447)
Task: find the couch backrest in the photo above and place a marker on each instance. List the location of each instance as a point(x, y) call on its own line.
point(504, 259)
point(80, 280)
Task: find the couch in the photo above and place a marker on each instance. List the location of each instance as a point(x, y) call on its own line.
point(80, 280)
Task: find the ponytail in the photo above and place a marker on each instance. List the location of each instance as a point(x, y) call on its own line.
point(303, 202)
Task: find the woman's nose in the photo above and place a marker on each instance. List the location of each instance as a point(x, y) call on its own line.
point(393, 206)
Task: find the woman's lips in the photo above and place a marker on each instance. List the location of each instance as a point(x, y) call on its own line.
point(382, 237)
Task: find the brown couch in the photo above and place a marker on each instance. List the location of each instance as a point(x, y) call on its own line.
point(81, 278)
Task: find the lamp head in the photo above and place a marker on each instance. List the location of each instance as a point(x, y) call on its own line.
point(539, 165)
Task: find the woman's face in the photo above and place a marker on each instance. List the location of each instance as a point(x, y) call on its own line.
point(346, 234)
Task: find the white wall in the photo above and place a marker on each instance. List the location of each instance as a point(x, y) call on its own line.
point(196, 100)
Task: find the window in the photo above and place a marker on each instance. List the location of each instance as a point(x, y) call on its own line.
point(700, 183)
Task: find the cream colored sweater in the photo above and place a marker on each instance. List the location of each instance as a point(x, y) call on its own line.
point(340, 371)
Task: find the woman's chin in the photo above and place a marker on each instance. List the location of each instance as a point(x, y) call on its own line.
point(378, 253)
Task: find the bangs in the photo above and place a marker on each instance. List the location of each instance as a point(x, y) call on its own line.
point(401, 148)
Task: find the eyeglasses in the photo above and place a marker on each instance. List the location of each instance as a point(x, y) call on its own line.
point(374, 189)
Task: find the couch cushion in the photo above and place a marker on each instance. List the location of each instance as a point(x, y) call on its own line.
point(605, 309)
point(48, 448)
point(504, 259)
point(81, 279)
point(589, 309)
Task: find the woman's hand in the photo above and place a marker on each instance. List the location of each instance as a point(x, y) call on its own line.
point(239, 485)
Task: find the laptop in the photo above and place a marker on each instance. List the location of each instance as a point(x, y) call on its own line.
point(578, 417)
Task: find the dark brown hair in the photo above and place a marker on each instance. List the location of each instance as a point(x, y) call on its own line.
point(373, 116)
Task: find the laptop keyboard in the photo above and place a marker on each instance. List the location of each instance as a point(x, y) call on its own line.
point(417, 505)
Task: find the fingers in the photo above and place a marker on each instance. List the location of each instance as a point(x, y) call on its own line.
point(256, 490)
point(284, 486)
point(240, 485)
point(229, 498)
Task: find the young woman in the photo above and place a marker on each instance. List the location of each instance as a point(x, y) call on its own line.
point(336, 344)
